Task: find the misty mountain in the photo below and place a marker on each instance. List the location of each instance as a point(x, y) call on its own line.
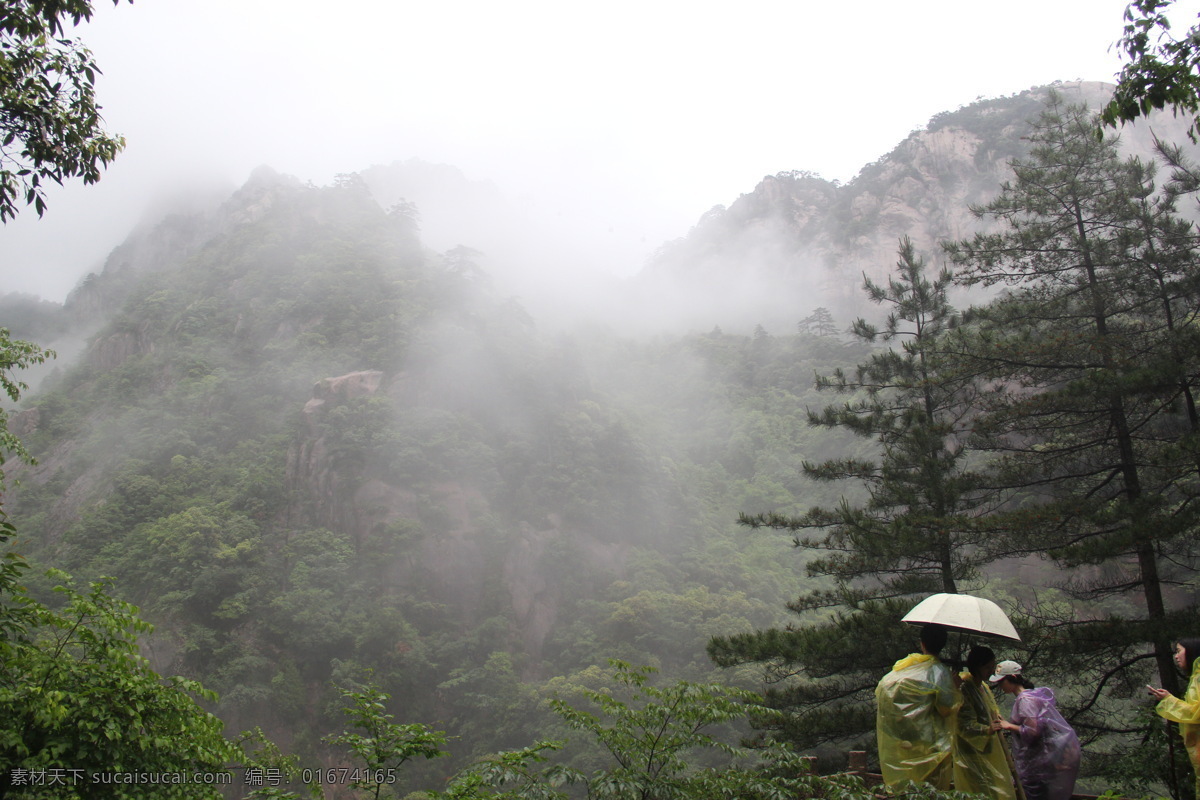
point(528, 245)
point(306, 444)
point(793, 243)
point(313, 431)
point(797, 241)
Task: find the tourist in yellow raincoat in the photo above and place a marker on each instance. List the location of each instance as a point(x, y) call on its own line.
point(916, 704)
point(1186, 711)
point(980, 765)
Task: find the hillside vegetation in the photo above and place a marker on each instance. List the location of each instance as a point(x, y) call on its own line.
point(333, 466)
point(311, 447)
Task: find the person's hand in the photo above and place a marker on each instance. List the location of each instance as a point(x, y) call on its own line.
point(1159, 694)
point(1001, 725)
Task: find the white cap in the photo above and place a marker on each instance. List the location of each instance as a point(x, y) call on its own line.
point(1005, 669)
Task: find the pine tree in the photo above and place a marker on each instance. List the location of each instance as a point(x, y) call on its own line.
point(1092, 362)
point(918, 532)
point(819, 323)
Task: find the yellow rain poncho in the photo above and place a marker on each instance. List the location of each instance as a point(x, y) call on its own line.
point(980, 766)
point(1187, 713)
point(916, 703)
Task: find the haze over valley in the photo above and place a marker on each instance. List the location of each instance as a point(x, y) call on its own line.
point(427, 423)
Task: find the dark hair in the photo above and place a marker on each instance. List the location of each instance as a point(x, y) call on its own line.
point(934, 638)
point(1191, 651)
point(980, 656)
point(1019, 680)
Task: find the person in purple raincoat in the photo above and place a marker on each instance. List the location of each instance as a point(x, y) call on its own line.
point(1044, 746)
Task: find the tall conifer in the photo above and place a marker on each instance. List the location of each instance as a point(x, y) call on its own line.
point(917, 532)
point(1091, 355)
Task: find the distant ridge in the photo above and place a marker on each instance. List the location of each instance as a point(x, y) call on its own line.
point(798, 241)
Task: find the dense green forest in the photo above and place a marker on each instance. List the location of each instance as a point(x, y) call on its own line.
point(479, 514)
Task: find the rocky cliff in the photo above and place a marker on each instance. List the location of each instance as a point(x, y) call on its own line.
point(798, 241)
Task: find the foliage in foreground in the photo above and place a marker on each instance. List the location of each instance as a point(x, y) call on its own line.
point(384, 746)
point(659, 743)
point(15, 354)
point(1162, 71)
point(50, 124)
point(77, 701)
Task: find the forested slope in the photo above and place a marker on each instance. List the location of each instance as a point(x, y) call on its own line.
point(304, 445)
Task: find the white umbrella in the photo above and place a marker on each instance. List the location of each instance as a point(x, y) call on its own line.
point(963, 612)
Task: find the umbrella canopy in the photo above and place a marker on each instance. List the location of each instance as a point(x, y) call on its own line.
point(963, 612)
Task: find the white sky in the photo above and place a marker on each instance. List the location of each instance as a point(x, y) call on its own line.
point(634, 116)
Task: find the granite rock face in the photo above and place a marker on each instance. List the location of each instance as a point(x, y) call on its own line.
point(798, 241)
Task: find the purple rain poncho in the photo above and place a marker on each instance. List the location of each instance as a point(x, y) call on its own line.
point(1046, 749)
